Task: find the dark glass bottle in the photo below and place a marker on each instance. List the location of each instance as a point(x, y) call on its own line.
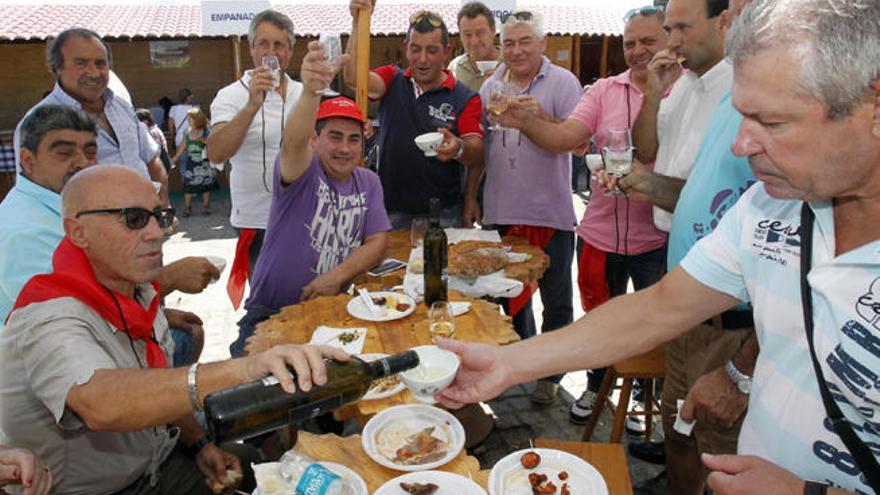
point(262, 406)
point(435, 252)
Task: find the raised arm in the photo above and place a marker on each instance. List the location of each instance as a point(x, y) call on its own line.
point(562, 137)
point(296, 152)
point(376, 86)
point(226, 137)
point(663, 71)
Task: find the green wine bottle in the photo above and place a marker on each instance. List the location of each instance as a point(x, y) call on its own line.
point(261, 406)
point(435, 252)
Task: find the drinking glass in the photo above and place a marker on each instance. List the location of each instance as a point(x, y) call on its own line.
point(617, 154)
point(417, 231)
point(271, 63)
point(332, 44)
point(500, 93)
point(441, 321)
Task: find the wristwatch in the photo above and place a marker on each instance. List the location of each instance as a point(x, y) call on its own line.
point(743, 382)
point(815, 488)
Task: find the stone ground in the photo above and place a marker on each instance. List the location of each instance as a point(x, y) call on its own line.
point(517, 420)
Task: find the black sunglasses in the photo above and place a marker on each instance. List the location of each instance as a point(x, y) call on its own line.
point(522, 15)
point(135, 217)
point(647, 10)
point(425, 15)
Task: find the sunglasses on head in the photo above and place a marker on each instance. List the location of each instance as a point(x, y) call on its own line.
point(646, 10)
point(424, 15)
point(135, 217)
point(522, 15)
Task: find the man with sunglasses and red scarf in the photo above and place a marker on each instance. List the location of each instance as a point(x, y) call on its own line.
point(84, 376)
point(57, 141)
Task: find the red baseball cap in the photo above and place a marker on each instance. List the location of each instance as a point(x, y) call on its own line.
point(340, 107)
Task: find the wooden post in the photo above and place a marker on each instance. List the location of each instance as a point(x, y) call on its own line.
point(236, 56)
point(603, 64)
point(363, 60)
point(576, 56)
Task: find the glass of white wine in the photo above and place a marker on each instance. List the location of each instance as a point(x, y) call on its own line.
point(618, 153)
point(271, 63)
point(441, 321)
point(499, 98)
point(332, 44)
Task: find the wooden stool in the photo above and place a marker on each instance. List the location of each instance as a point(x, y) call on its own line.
point(649, 367)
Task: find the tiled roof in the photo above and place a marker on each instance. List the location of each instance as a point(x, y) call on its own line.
point(37, 22)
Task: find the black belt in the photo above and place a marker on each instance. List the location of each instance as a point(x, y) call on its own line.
point(734, 319)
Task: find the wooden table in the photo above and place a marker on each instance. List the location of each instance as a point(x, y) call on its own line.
point(399, 247)
point(348, 452)
point(608, 458)
point(295, 324)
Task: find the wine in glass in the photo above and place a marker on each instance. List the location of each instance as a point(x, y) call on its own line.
point(271, 63)
point(332, 44)
point(500, 93)
point(441, 321)
point(618, 154)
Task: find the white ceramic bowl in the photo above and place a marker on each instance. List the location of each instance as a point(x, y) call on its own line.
point(429, 142)
point(431, 357)
point(486, 65)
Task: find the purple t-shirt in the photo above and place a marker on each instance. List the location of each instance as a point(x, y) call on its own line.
point(525, 184)
point(315, 222)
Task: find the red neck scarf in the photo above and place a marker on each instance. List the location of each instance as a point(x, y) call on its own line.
point(72, 276)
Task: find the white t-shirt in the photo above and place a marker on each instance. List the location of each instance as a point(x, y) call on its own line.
point(754, 255)
point(682, 120)
point(250, 181)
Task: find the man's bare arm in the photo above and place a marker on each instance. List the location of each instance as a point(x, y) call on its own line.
point(359, 261)
point(644, 132)
point(559, 137)
point(226, 137)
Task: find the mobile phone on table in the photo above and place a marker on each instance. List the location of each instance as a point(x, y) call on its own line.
point(386, 266)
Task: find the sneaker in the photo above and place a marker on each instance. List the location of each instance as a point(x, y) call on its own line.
point(582, 408)
point(648, 451)
point(635, 425)
point(545, 392)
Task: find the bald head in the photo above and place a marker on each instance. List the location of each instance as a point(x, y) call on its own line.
point(104, 186)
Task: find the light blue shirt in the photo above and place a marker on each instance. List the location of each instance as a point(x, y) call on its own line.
point(133, 146)
point(716, 182)
point(754, 255)
point(29, 233)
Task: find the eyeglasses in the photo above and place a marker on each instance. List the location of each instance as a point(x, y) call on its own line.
point(425, 15)
point(647, 10)
point(137, 218)
point(522, 15)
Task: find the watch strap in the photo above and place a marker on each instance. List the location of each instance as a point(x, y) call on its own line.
point(815, 488)
point(199, 444)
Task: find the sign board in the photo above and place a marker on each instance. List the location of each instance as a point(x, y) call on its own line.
point(224, 18)
point(169, 54)
point(499, 8)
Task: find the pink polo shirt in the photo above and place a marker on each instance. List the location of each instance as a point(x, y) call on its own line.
point(602, 107)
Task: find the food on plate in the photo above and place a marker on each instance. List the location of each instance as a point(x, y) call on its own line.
point(563, 475)
point(230, 480)
point(379, 301)
point(419, 488)
point(475, 258)
point(384, 384)
point(390, 302)
point(401, 306)
point(565, 490)
point(348, 337)
point(530, 460)
point(541, 485)
point(421, 448)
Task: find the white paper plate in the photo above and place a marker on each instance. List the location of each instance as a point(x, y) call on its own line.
point(449, 483)
point(354, 479)
point(358, 309)
point(509, 477)
point(388, 393)
point(386, 432)
point(324, 335)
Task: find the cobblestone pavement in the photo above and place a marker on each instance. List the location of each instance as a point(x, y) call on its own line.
point(517, 420)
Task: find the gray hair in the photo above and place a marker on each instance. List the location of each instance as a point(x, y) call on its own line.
point(54, 57)
point(838, 42)
point(47, 118)
point(275, 18)
point(535, 23)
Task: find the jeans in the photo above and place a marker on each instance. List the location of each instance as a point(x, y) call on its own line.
point(556, 291)
point(183, 347)
point(449, 217)
point(644, 269)
point(246, 326)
